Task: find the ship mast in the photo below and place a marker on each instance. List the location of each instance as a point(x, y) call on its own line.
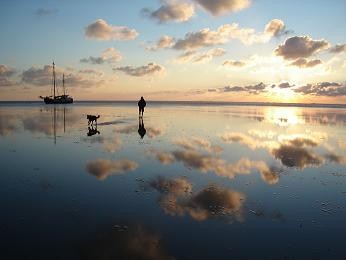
point(54, 77)
point(63, 84)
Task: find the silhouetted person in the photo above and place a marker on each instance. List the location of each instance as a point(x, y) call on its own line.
point(141, 106)
point(141, 129)
point(92, 131)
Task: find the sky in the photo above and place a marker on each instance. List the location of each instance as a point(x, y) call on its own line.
point(203, 50)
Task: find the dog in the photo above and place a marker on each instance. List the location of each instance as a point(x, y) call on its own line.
point(92, 119)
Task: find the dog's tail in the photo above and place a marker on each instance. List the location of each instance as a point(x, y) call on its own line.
point(98, 116)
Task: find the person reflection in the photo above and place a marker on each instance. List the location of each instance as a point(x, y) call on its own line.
point(92, 130)
point(141, 129)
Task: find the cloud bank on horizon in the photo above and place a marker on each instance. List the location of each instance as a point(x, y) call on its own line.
point(184, 49)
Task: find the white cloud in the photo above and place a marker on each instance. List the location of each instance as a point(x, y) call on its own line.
point(227, 32)
point(176, 11)
point(101, 30)
point(110, 55)
point(163, 43)
point(219, 7)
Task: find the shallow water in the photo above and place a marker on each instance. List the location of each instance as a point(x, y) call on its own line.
point(204, 182)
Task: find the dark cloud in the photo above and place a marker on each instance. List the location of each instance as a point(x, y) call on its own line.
point(5, 74)
point(338, 48)
point(252, 89)
point(220, 7)
point(332, 157)
point(233, 63)
point(101, 30)
point(147, 70)
point(300, 47)
point(329, 89)
point(97, 73)
point(304, 63)
point(171, 11)
point(285, 85)
point(45, 12)
point(102, 168)
point(296, 156)
point(93, 60)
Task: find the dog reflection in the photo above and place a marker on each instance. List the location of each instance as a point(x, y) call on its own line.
point(141, 129)
point(92, 131)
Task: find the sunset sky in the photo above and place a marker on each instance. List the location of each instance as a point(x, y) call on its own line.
point(212, 50)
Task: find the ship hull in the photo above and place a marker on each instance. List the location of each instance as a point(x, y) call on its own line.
point(49, 100)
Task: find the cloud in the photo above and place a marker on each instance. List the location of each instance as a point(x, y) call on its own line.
point(5, 74)
point(332, 157)
point(124, 242)
point(304, 63)
point(225, 33)
point(296, 156)
point(251, 89)
point(213, 202)
point(252, 143)
point(338, 48)
point(43, 77)
point(101, 30)
point(177, 186)
point(147, 70)
point(208, 163)
point(300, 47)
point(163, 157)
point(45, 12)
point(110, 55)
point(175, 11)
point(102, 168)
point(328, 89)
point(185, 57)
point(285, 85)
point(8, 124)
point(163, 43)
point(220, 7)
point(209, 55)
point(275, 28)
point(197, 143)
point(97, 73)
point(233, 63)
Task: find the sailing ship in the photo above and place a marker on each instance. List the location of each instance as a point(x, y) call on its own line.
point(57, 99)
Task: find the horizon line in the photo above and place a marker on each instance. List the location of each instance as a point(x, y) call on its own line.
point(204, 102)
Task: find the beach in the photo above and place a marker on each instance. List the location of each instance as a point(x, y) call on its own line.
point(204, 181)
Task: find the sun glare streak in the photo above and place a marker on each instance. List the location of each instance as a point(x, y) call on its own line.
point(283, 116)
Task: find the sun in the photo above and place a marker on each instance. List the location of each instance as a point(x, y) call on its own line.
point(284, 95)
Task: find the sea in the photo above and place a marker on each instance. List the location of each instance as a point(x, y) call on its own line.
point(188, 180)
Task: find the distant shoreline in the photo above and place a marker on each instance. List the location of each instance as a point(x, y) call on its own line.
point(186, 103)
